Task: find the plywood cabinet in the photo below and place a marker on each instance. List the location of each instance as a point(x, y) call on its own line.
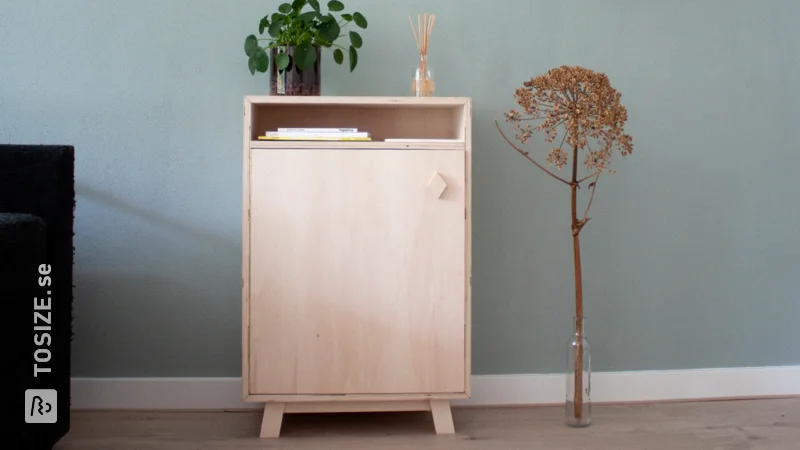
point(356, 257)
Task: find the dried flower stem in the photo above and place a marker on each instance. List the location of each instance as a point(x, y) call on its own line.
point(593, 185)
point(527, 156)
point(587, 177)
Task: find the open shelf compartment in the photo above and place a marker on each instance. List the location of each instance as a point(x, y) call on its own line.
point(436, 123)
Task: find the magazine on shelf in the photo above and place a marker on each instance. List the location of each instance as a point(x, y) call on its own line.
point(284, 138)
point(316, 134)
point(317, 130)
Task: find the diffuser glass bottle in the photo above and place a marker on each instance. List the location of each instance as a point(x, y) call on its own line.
point(578, 410)
point(422, 83)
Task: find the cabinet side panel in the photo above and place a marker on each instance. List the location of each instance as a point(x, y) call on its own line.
point(246, 246)
point(358, 275)
point(467, 121)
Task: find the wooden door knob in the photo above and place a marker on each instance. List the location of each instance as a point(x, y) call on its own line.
point(436, 185)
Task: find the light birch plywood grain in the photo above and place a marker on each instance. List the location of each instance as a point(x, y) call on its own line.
point(442, 417)
point(421, 145)
point(357, 274)
point(246, 133)
point(465, 133)
point(272, 420)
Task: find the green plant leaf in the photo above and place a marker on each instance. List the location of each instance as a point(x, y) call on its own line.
point(314, 4)
point(262, 60)
point(329, 30)
point(353, 58)
point(355, 39)
point(360, 20)
point(347, 17)
point(308, 16)
point(297, 5)
point(338, 56)
point(304, 56)
point(335, 5)
point(263, 25)
point(277, 17)
point(258, 62)
point(282, 61)
point(285, 8)
point(250, 45)
point(275, 28)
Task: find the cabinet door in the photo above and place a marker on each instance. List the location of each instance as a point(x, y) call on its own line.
point(357, 272)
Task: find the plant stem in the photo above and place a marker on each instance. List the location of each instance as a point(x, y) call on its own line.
point(591, 198)
point(525, 154)
point(587, 177)
point(561, 145)
point(576, 249)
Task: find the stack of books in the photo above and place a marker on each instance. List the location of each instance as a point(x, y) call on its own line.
point(316, 134)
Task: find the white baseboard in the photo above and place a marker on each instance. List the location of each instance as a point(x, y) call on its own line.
point(487, 390)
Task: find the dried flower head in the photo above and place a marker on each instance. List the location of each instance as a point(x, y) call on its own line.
point(584, 102)
point(557, 157)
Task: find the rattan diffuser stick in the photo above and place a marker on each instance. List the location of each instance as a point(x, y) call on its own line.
point(423, 85)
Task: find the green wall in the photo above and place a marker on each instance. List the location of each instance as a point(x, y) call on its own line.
point(691, 259)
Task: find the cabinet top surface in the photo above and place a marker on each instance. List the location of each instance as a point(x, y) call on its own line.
point(358, 100)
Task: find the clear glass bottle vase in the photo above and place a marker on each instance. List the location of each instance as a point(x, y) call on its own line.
point(578, 408)
point(422, 84)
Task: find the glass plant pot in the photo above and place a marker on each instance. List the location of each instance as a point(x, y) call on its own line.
point(578, 408)
point(293, 81)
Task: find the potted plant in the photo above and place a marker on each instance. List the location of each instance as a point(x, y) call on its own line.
point(578, 108)
point(294, 42)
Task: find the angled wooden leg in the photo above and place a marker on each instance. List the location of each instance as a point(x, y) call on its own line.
point(442, 417)
point(272, 420)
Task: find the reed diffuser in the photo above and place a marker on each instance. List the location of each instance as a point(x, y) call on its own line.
point(423, 84)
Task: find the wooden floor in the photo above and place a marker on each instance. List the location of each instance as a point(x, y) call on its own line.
point(734, 425)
